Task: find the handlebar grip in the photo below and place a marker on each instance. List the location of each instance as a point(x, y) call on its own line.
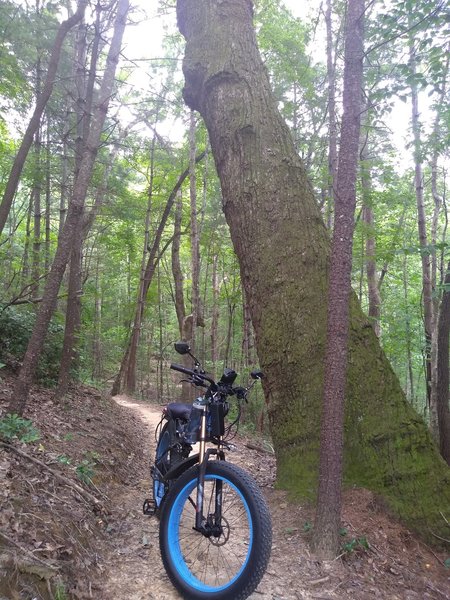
point(181, 369)
point(200, 376)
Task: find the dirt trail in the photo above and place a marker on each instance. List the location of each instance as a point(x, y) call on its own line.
point(396, 567)
point(134, 570)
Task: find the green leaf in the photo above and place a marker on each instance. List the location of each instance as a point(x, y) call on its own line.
point(14, 427)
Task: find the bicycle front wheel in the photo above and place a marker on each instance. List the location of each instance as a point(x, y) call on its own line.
point(227, 562)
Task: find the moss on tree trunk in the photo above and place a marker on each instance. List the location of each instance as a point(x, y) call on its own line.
point(283, 250)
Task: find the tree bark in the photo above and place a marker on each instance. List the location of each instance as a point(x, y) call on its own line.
point(373, 290)
point(442, 399)
point(83, 110)
point(74, 215)
point(332, 122)
point(325, 539)
point(215, 288)
point(48, 199)
point(37, 188)
point(184, 323)
point(176, 266)
point(97, 354)
point(195, 248)
point(427, 294)
point(35, 120)
point(283, 250)
point(247, 333)
point(435, 268)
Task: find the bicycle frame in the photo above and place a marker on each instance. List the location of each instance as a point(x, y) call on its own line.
point(215, 532)
point(215, 398)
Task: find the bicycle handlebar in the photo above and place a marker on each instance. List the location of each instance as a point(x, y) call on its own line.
point(199, 379)
point(192, 373)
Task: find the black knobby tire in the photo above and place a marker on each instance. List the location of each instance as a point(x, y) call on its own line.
point(166, 458)
point(228, 566)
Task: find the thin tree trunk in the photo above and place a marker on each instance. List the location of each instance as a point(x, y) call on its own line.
point(215, 311)
point(328, 516)
point(195, 252)
point(48, 179)
point(184, 324)
point(130, 370)
point(147, 277)
point(176, 266)
point(26, 252)
point(435, 401)
point(74, 215)
point(84, 102)
point(332, 121)
point(65, 184)
point(97, 358)
point(37, 187)
point(35, 120)
point(160, 390)
point(409, 388)
point(442, 399)
point(423, 241)
point(371, 269)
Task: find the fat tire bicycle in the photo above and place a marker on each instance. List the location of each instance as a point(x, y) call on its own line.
point(215, 531)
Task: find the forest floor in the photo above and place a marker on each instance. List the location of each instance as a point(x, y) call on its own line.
point(71, 522)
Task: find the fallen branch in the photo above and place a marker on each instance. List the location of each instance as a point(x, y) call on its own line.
point(28, 552)
point(84, 493)
point(440, 538)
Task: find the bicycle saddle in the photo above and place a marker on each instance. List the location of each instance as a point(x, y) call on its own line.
point(178, 410)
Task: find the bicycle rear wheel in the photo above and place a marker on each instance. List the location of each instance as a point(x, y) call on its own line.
point(229, 563)
point(166, 457)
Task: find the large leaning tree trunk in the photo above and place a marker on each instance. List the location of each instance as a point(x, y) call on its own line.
point(283, 250)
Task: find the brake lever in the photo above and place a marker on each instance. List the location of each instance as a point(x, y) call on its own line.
point(241, 393)
point(198, 381)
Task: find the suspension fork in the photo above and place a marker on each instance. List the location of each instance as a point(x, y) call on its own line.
point(203, 457)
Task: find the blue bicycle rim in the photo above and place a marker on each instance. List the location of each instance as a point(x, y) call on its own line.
point(175, 550)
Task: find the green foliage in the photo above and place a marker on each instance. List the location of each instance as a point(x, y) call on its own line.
point(355, 544)
point(16, 324)
point(14, 427)
point(85, 471)
point(60, 592)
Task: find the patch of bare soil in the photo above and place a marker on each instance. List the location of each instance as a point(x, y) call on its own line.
point(105, 548)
